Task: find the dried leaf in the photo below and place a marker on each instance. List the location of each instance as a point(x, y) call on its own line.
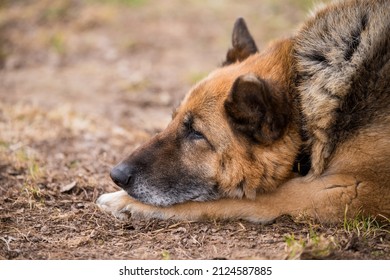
point(68, 187)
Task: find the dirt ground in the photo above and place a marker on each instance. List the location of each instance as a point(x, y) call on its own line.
point(82, 83)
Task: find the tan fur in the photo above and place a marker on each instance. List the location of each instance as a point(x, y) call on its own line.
point(208, 105)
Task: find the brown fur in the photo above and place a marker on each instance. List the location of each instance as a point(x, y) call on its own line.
point(230, 148)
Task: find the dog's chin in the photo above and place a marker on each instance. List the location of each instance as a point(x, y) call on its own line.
point(153, 197)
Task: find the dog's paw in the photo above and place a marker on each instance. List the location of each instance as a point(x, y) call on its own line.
point(122, 206)
point(115, 203)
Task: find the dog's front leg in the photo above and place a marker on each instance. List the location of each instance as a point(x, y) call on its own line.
point(324, 198)
point(121, 205)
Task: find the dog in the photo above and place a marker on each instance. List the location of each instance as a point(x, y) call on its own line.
point(300, 128)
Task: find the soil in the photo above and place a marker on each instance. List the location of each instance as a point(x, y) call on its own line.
point(83, 83)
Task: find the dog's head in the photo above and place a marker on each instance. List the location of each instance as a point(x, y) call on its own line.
point(232, 135)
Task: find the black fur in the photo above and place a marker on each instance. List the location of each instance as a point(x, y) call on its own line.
point(354, 40)
point(255, 111)
point(243, 43)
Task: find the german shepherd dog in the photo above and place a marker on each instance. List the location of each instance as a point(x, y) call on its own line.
point(241, 142)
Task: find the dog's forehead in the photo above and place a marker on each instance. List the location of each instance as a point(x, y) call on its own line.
point(214, 88)
point(208, 95)
point(200, 101)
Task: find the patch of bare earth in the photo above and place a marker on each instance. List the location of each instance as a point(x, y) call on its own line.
point(82, 83)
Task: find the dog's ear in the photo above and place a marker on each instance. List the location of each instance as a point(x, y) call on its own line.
point(256, 111)
point(243, 43)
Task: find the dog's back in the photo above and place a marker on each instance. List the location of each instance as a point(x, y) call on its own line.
point(343, 66)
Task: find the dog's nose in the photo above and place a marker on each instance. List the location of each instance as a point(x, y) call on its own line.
point(121, 174)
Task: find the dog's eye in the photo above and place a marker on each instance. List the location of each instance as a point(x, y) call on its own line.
point(195, 135)
point(190, 131)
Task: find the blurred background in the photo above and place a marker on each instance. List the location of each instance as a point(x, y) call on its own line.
point(123, 60)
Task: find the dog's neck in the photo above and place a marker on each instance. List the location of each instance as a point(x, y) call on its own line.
point(302, 163)
point(285, 72)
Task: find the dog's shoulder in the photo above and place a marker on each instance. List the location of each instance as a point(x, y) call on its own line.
point(343, 64)
point(341, 46)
